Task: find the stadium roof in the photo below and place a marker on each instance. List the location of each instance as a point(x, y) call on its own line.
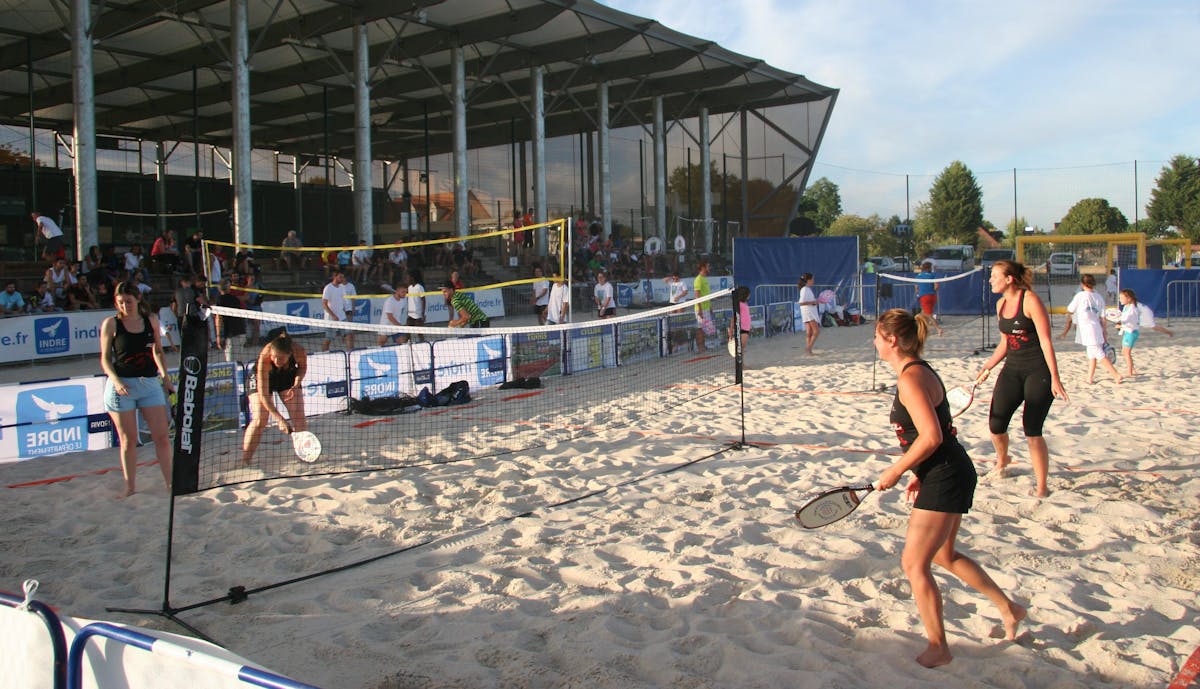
point(146, 52)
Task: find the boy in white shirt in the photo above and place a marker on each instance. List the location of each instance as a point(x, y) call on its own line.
point(395, 312)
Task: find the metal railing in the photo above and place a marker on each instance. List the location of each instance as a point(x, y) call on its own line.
point(242, 673)
point(1183, 299)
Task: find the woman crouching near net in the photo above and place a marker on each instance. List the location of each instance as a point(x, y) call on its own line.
point(942, 487)
point(280, 370)
point(131, 355)
point(1030, 372)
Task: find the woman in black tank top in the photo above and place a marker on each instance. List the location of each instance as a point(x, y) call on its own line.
point(280, 370)
point(131, 355)
point(1030, 373)
point(942, 486)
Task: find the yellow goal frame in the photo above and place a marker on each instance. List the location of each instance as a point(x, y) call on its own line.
point(1136, 238)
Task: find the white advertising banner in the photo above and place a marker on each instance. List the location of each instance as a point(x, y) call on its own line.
point(391, 371)
point(40, 336)
point(481, 361)
point(53, 418)
point(371, 310)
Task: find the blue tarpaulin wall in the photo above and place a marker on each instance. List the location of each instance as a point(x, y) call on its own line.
point(968, 296)
point(782, 260)
point(1150, 286)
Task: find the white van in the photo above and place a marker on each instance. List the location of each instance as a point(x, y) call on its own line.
point(953, 258)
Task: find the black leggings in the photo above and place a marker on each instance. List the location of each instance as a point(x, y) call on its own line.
point(1013, 386)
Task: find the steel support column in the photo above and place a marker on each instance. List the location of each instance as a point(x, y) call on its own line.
point(87, 226)
point(538, 114)
point(605, 161)
point(243, 214)
point(458, 102)
point(364, 217)
point(705, 184)
point(660, 173)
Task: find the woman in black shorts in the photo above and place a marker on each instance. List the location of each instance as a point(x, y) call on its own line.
point(943, 485)
point(1030, 372)
point(280, 370)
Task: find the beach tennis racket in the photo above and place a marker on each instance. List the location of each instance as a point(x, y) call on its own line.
point(732, 347)
point(1112, 314)
point(832, 505)
point(307, 446)
point(960, 398)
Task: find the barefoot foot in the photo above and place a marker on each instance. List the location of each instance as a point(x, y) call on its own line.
point(1012, 620)
point(935, 656)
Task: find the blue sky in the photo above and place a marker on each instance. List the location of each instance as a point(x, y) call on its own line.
point(1069, 93)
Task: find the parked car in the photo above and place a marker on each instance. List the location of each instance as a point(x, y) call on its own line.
point(1063, 263)
point(883, 264)
point(902, 264)
point(953, 258)
point(989, 257)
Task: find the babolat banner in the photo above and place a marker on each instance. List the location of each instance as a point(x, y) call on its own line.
point(189, 409)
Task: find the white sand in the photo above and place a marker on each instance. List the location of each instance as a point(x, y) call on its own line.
point(695, 578)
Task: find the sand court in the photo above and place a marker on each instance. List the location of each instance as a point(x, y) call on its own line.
point(634, 558)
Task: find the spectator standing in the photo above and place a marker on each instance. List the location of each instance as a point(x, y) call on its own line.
point(335, 305)
point(230, 330)
point(603, 292)
point(704, 316)
point(395, 312)
point(52, 234)
point(558, 307)
point(541, 295)
point(416, 301)
point(1111, 293)
point(810, 313)
point(677, 291)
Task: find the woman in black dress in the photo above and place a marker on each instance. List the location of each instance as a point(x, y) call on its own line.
point(942, 487)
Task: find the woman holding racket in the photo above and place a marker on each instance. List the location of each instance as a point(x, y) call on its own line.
point(1030, 373)
point(942, 487)
point(280, 370)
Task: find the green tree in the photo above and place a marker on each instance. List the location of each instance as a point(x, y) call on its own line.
point(1016, 227)
point(822, 203)
point(10, 156)
point(1092, 216)
point(874, 235)
point(956, 205)
point(1153, 229)
point(1175, 199)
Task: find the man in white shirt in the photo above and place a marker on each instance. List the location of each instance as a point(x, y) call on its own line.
point(395, 312)
point(1110, 287)
point(677, 291)
point(541, 295)
point(558, 306)
point(606, 307)
point(337, 308)
point(52, 233)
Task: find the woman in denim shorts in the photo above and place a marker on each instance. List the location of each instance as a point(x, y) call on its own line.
point(131, 355)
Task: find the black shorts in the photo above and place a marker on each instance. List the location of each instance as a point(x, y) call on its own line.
point(414, 321)
point(610, 311)
point(540, 309)
point(949, 486)
point(54, 245)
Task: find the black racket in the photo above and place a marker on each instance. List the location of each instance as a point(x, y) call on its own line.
point(832, 505)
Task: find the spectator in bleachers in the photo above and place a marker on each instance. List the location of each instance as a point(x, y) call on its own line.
point(289, 258)
point(397, 265)
point(164, 253)
point(79, 297)
point(114, 265)
point(43, 299)
point(142, 287)
point(360, 261)
point(133, 262)
point(11, 301)
point(193, 252)
point(93, 266)
point(104, 296)
point(59, 277)
point(52, 234)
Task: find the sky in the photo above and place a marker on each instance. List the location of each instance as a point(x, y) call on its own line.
point(1068, 93)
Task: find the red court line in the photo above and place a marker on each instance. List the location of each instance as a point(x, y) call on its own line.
point(1187, 673)
point(521, 396)
point(60, 479)
point(365, 424)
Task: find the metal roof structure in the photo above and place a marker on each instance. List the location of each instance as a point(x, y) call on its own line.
point(162, 67)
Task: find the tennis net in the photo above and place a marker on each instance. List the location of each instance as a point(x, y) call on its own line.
point(402, 404)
